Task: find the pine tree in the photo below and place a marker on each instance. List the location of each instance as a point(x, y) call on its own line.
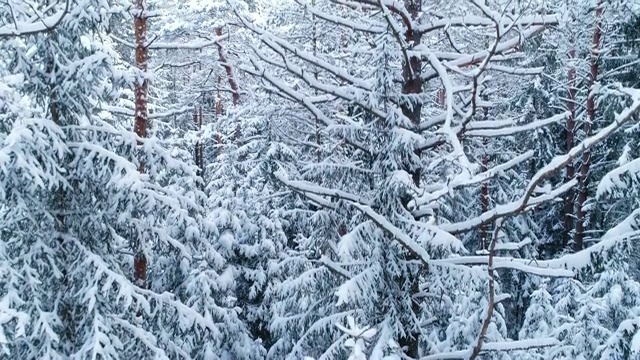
point(541, 320)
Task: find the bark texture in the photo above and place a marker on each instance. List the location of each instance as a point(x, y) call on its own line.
point(570, 169)
point(140, 120)
point(591, 117)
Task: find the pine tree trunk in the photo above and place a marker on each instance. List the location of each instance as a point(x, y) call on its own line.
point(66, 308)
point(484, 191)
point(314, 43)
point(570, 169)
point(140, 122)
point(412, 84)
point(235, 90)
point(199, 146)
point(233, 83)
point(591, 117)
point(218, 111)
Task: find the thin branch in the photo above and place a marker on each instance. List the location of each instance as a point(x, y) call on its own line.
point(492, 293)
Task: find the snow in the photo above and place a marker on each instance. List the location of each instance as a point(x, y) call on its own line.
point(635, 343)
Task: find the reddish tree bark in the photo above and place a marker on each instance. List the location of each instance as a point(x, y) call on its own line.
point(233, 83)
point(591, 116)
point(140, 122)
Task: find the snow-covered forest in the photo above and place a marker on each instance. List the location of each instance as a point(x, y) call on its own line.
point(319, 179)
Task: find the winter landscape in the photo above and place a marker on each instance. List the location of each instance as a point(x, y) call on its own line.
point(319, 179)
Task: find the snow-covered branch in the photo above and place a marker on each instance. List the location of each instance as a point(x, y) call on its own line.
point(40, 24)
point(557, 163)
point(527, 344)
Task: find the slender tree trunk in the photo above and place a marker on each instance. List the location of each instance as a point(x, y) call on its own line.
point(570, 169)
point(413, 85)
point(233, 83)
point(199, 146)
point(140, 122)
point(218, 138)
point(66, 309)
point(314, 43)
point(412, 82)
point(484, 191)
point(591, 117)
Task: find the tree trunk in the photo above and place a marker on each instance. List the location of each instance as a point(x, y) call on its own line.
point(314, 43)
point(199, 146)
point(233, 84)
point(591, 117)
point(66, 309)
point(412, 84)
point(484, 190)
point(140, 122)
point(570, 169)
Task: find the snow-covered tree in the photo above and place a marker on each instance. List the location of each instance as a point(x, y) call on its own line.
point(541, 320)
point(237, 179)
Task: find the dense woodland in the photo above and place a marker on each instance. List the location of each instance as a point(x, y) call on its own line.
point(320, 179)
